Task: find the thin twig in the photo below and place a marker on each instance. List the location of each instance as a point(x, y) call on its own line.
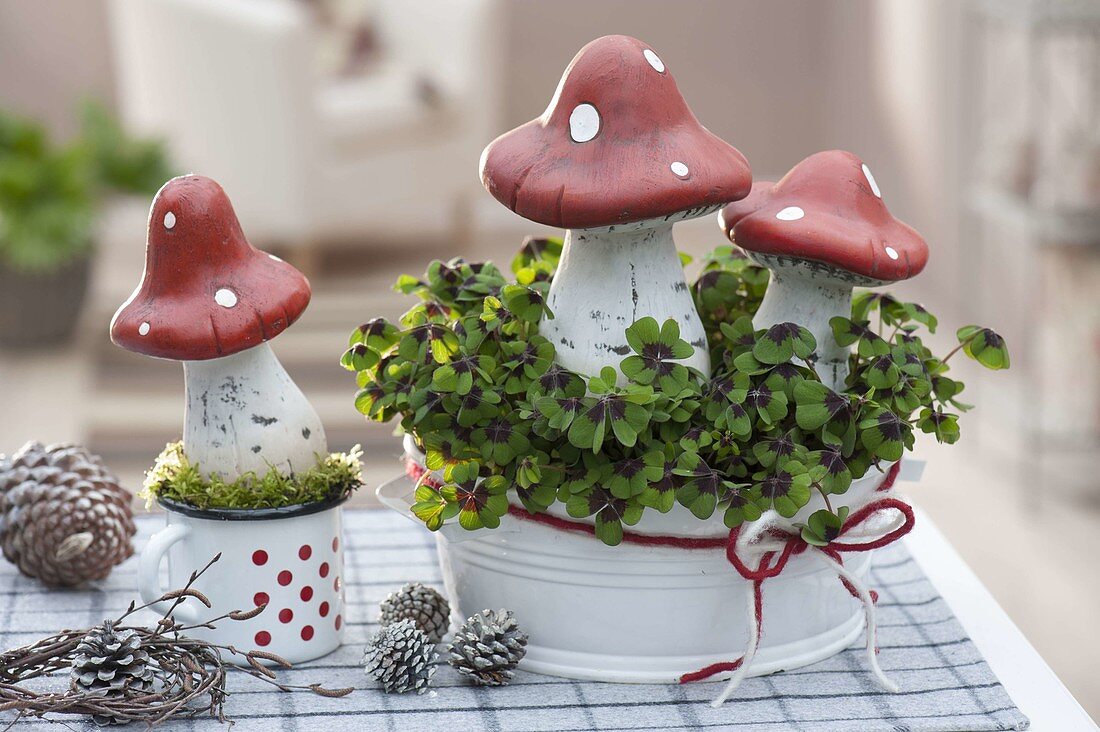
point(190, 673)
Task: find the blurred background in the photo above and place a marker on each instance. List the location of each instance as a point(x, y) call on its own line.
point(347, 133)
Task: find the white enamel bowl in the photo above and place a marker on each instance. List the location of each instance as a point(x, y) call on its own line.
point(639, 614)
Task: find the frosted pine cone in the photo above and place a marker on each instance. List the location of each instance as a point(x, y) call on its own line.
point(488, 647)
point(401, 658)
point(111, 662)
point(64, 518)
point(423, 605)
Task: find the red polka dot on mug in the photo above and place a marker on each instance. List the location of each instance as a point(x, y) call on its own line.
point(259, 557)
point(285, 577)
point(306, 594)
point(261, 598)
point(336, 584)
point(286, 615)
point(324, 609)
point(263, 638)
point(307, 632)
point(305, 552)
point(335, 543)
point(324, 569)
point(339, 621)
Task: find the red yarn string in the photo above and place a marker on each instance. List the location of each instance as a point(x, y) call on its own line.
point(771, 564)
point(629, 537)
point(796, 545)
point(724, 666)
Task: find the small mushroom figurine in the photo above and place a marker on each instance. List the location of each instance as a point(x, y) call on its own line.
point(617, 158)
point(210, 299)
point(821, 230)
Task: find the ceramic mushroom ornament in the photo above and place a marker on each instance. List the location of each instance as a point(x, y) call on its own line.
point(616, 159)
point(821, 230)
point(208, 298)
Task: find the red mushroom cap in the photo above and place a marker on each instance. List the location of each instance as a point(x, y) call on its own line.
point(617, 145)
point(827, 209)
point(731, 213)
point(206, 292)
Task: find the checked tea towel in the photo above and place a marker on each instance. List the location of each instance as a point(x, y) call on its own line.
point(946, 685)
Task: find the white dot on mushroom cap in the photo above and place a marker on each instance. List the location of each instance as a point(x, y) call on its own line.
point(143, 329)
point(679, 169)
point(225, 298)
point(584, 123)
point(871, 180)
point(169, 220)
point(790, 213)
point(892, 253)
point(654, 60)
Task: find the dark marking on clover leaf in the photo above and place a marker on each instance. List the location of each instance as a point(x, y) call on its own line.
point(780, 332)
point(778, 485)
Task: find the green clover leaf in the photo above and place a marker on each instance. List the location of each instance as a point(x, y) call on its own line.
point(434, 506)
point(834, 475)
point(702, 486)
point(656, 352)
point(984, 346)
point(943, 425)
point(782, 342)
point(786, 488)
point(481, 501)
point(885, 434)
point(526, 303)
point(742, 505)
point(824, 526)
point(661, 481)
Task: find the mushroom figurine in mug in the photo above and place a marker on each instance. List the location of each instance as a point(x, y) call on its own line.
point(822, 230)
point(210, 299)
point(616, 159)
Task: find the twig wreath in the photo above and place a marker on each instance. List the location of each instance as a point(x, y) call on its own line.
point(189, 675)
point(474, 383)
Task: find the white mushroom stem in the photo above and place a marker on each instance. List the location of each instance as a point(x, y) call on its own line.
point(244, 414)
point(810, 294)
point(610, 277)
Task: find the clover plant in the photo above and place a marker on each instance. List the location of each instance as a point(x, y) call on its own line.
point(468, 375)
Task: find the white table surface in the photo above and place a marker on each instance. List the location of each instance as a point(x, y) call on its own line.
point(1030, 682)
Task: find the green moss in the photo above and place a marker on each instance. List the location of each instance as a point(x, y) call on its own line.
point(176, 478)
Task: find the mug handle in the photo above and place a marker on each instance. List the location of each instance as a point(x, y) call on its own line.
point(149, 572)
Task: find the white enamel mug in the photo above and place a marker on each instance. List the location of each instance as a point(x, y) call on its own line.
point(290, 559)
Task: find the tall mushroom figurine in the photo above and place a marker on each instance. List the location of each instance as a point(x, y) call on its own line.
point(822, 230)
point(210, 299)
point(617, 158)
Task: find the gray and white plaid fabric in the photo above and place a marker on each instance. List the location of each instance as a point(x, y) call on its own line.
point(946, 685)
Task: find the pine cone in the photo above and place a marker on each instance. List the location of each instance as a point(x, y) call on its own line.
point(401, 658)
point(64, 518)
point(488, 646)
point(112, 663)
point(423, 605)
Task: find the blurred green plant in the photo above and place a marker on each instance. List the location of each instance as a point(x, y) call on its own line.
point(50, 193)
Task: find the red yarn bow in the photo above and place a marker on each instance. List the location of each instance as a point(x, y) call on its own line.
point(772, 563)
